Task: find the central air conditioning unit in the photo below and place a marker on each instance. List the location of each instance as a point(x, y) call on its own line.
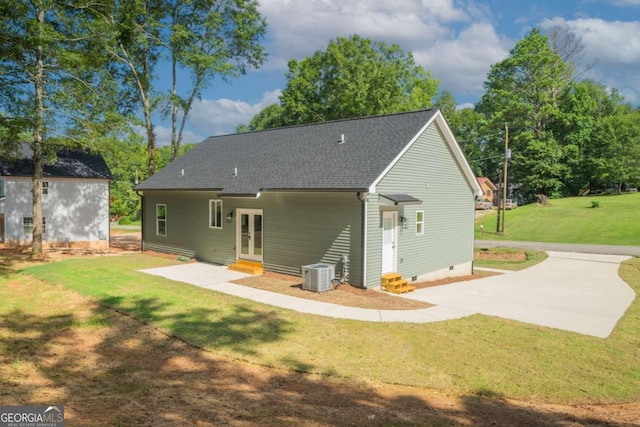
point(317, 277)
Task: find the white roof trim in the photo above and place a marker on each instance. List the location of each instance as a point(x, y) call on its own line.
point(453, 145)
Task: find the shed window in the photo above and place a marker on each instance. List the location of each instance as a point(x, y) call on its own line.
point(27, 225)
point(419, 223)
point(45, 187)
point(215, 213)
point(1, 186)
point(161, 220)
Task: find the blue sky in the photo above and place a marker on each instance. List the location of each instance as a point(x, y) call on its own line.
point(457, 40)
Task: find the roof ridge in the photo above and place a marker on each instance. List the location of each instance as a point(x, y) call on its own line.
point(350, 119)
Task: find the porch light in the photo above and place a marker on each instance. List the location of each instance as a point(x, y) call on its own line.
point(229, 216)
point(403, 222)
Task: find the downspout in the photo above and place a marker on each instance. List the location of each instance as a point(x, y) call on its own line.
point(362, 196)
point(141, 195)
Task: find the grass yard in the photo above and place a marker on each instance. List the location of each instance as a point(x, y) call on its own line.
point(507, 258)
point(571, 220)
point(478, 355)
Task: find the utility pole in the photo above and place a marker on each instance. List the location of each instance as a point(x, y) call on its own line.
point(507, 157)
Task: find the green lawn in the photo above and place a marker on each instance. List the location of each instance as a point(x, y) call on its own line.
point(479, 354)
point(571, 220)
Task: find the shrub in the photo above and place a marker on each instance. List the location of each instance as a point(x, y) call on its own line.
point(125, 220)
point(595, 204)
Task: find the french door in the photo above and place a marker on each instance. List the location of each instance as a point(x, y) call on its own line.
point(249, 234)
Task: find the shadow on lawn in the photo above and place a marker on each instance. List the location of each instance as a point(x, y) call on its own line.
point(111, 369)
point(241, 330)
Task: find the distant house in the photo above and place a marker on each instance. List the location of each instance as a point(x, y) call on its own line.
point(488, 189)
point(75, 201)
point(373, 195)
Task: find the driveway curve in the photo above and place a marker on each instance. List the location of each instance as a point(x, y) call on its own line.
point(571, 291)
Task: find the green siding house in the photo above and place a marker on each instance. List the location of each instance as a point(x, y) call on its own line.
point(371, 195)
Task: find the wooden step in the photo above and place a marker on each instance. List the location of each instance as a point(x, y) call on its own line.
point(394, 283)
point(246, 266)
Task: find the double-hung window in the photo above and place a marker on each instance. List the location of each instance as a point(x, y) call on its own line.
point(419, 223)
point(161, 220)
point(215, 213)
point(27, 225)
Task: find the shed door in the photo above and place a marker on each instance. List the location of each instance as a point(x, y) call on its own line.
point(249, 234)
point(389, 237)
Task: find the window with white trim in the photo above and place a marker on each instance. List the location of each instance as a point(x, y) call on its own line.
point(215, 213)
point(161, 220)
point(419, 223)
point(45, 187)
point(27, 225)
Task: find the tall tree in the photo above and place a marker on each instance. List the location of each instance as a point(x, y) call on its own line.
point(135, 47)
point(353, 77)
point(615, 154)
point(51, 82)
point(208, 39)
point(583, 105)
point(522, 91)
point(205, 38)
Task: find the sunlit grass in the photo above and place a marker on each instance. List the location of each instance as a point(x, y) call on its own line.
point(478, 354)
point(571, 220)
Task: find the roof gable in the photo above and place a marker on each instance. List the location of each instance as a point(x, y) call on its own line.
point(338, 155)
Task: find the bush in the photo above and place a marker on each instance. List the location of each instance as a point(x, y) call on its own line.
point(125, 220)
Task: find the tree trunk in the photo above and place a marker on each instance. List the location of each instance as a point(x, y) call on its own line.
point(151, 139)
point(175, 142)
point(38, 139)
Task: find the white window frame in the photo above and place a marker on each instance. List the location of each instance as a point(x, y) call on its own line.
point(27, 225)
point(216, 216)
point(45, 187)
point(419, 223)
point(161, 220)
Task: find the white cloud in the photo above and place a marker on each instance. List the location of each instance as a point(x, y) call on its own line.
point(624, 3)
point(462, 62)
point(614, 48)
point(163, 136)
point(455, 42)
point(221, 116)
point(297, 29)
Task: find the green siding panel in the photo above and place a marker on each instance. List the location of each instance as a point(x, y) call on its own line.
point(298, 228)
point(429, 172)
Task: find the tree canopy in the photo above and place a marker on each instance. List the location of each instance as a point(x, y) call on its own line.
point(54, 89)
point(353, 77)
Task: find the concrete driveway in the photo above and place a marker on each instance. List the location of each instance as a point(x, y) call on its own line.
point(575, 292)
point(572, 291)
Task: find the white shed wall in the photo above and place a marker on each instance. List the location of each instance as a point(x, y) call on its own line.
point(75, 210)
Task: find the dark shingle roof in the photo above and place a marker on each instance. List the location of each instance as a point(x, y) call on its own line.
point(307, 157)
point(68, 164)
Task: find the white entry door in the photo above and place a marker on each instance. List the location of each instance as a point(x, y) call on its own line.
point(389, 237)
point(249, 234)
